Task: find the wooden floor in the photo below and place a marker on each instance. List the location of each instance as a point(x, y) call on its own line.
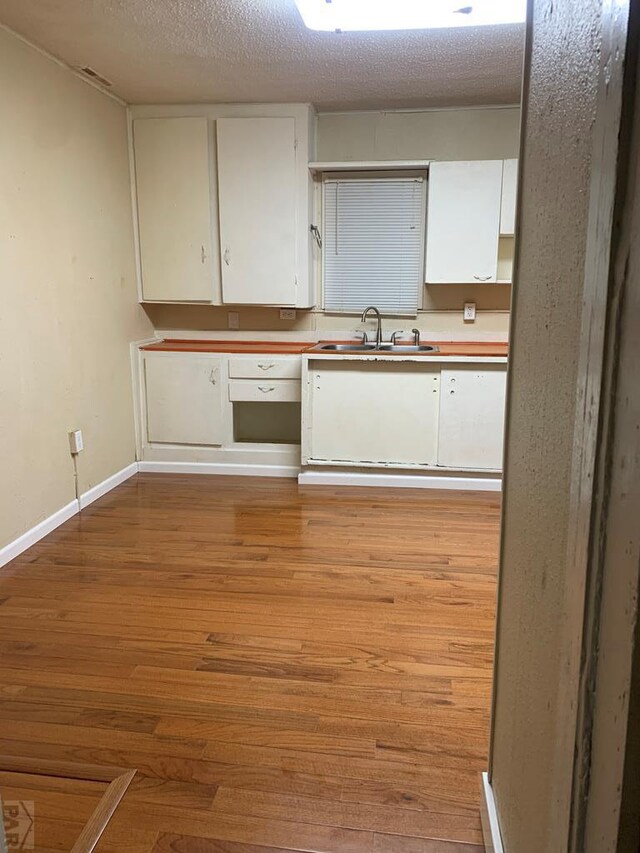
point(288, 668)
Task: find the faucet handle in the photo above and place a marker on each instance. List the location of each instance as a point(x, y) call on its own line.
point(394, 335)
point(416, 336)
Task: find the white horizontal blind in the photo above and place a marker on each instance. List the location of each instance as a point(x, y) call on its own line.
point(373, 244)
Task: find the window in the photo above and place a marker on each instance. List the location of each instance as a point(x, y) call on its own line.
point(373, 244)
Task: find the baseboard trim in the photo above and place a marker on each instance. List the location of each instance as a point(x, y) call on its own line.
point(105, 486)
point(404, 481)
point(489, 816)
point(224, 468)
point(35, 534)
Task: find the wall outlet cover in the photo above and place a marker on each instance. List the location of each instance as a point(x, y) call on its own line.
point(233, 319)
point(469, 312)
point(76, 442)
point(287, 313)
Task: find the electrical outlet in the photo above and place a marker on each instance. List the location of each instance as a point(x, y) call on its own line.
point(233, 319)
point(287, 313)
point(469, 312)
point(76, 442)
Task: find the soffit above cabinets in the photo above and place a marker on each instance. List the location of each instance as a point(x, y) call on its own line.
point(260, 51)
point(319, 168)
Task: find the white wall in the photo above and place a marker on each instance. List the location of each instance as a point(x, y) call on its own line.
point(67, 274)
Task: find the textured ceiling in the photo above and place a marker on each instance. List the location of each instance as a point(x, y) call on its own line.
point(172, 51)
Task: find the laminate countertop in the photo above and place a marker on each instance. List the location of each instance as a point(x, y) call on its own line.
point(453, 348)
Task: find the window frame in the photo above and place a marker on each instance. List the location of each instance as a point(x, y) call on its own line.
point(365, 175)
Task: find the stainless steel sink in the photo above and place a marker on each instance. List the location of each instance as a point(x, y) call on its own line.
point(407, 348)
point(345, 347)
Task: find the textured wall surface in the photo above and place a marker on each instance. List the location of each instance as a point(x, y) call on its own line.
point(67, 276)
point(181, 51)
point(533, 746)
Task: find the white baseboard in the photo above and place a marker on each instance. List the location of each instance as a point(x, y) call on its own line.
point(489, 816)
point(15, 548)
point(406, 481)
point(105, 486)
point(225, 468)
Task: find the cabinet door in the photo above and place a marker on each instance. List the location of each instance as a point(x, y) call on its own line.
point(172, 164)
point(463, 221)
point(509, 194)
point(374, 414)
point(257, 204)
point(184, 398)
point(472, 417)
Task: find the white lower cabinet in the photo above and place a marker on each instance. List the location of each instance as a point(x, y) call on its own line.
point(371, 414)
point(184, 398)
point(471, 424)
point(368, 412)
point(408, 414)
point(264, 391)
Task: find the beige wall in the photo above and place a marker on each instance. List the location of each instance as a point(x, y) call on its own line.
point(455, 134)
point(67, 279)
point(537, 653)
point(486, 133)
point(433, 325)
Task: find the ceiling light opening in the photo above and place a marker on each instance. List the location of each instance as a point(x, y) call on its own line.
point(363, 15)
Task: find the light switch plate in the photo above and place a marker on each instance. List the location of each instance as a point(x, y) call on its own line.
point(287, 313)
point(233, 319)
point(469, 312)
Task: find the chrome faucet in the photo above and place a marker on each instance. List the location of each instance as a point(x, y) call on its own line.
point(394, 336)
point(416, 336)
point(365, 314)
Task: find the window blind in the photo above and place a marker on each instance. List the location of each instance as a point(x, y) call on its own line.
point(373, 244)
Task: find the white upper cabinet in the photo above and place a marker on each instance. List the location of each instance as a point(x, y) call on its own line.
point(463, 221)
point(509, 193)
point(258, 210)
point(236, 173)
point(178, 251)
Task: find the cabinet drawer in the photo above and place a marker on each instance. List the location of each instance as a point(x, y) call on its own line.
point(272, 367)
point(281, 391)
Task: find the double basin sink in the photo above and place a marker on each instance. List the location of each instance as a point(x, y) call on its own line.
point(408, 348)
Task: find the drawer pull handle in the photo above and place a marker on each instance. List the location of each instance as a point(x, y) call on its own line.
point(265, 389)
point(266, 366)
point(482, 277)
point(213, 376)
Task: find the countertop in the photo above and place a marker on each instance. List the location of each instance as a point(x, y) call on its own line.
point(237, 347)
point(483, 349)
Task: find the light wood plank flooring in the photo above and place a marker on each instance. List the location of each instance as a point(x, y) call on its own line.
point(289, 668)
